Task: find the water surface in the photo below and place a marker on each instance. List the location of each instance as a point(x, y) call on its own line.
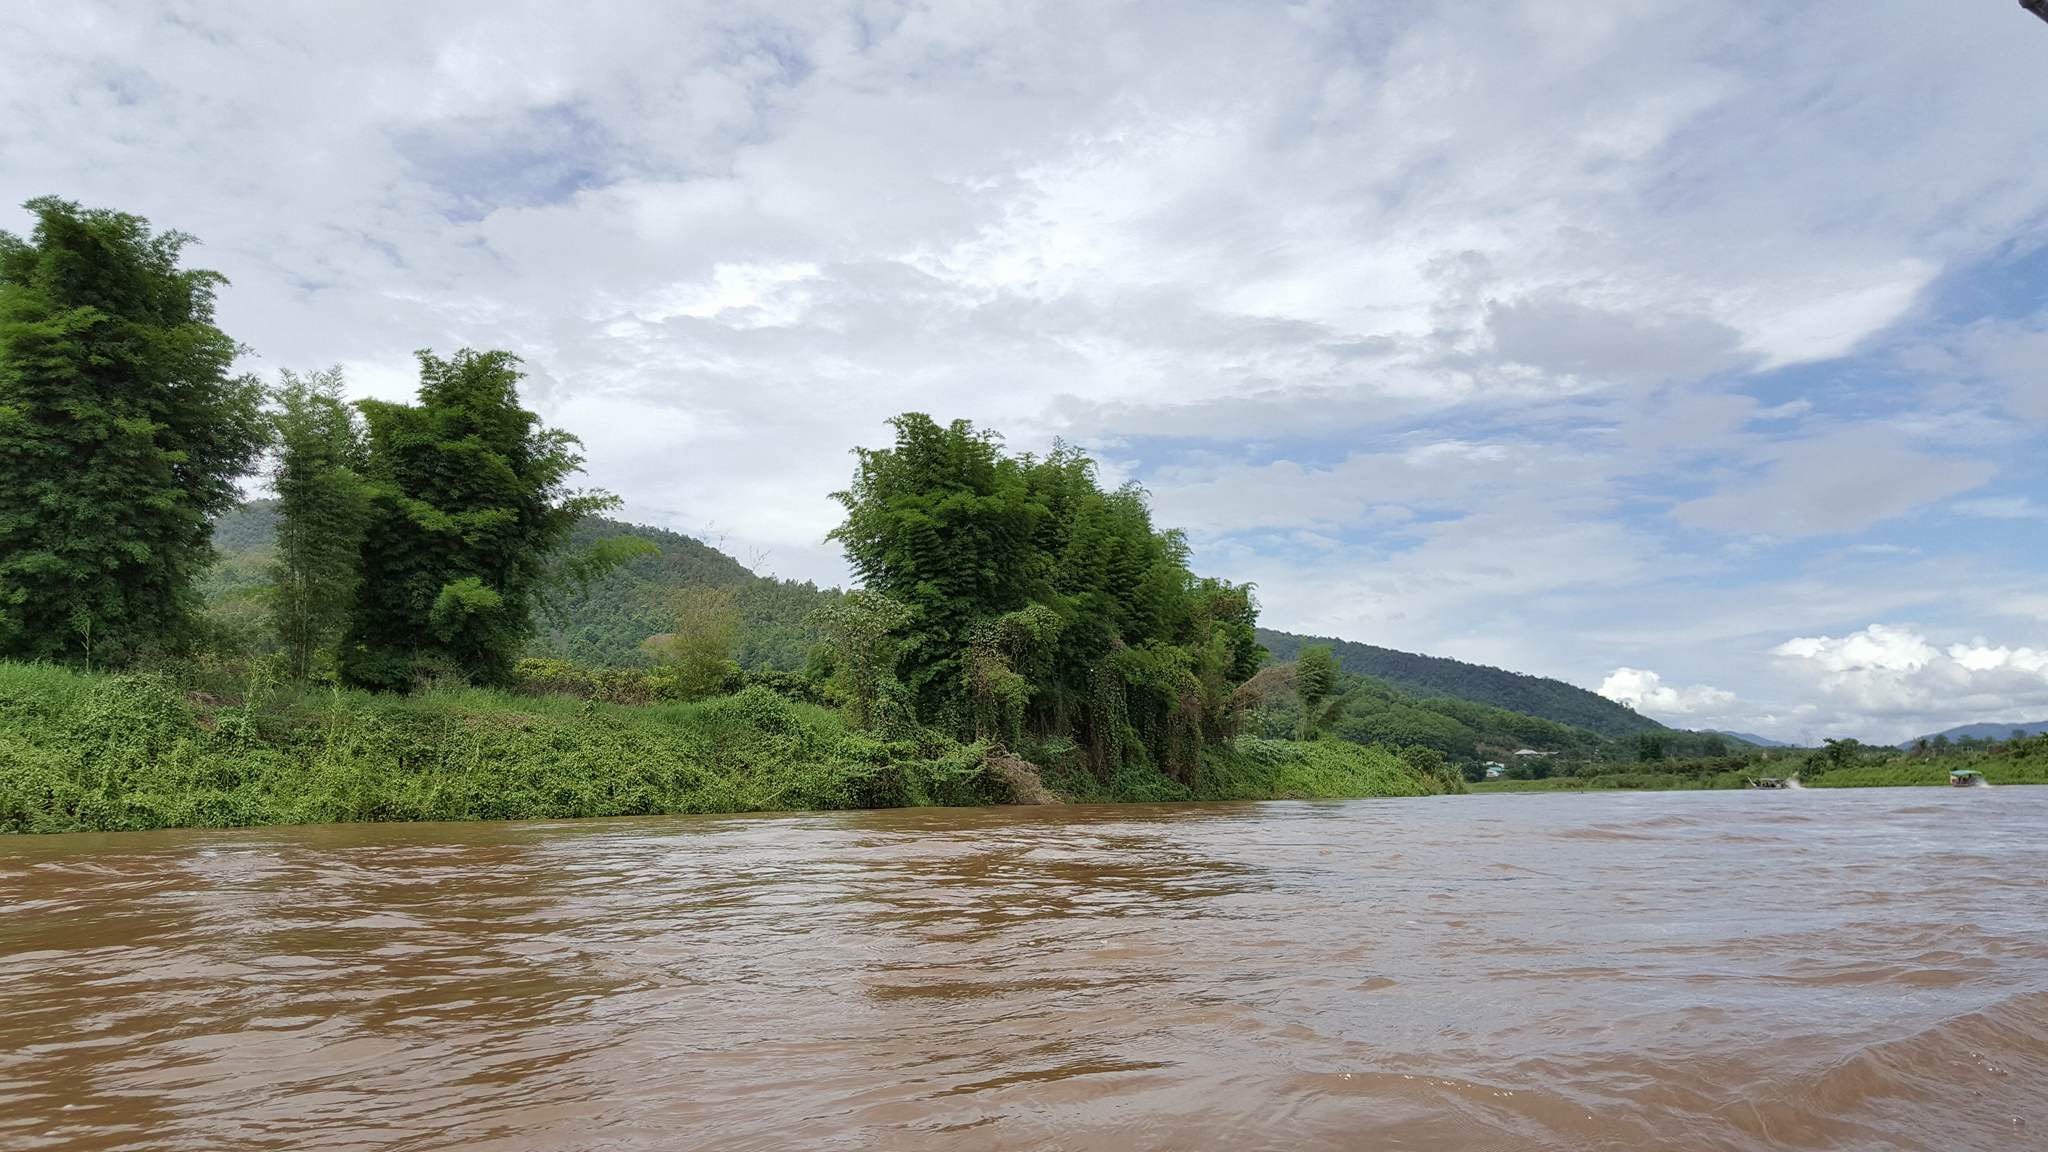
point(1827, 970)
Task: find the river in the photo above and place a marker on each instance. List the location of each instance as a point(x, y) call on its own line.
point(1825, 970)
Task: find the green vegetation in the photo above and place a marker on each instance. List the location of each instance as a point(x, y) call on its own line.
point(429, 622)
point(121, 436)
point(1036, 606)
point(323, 501)
point(606, 622)
point(468, 506)
point(1838, 764)
point(1433, 677)
point(130, 751)
point(2022, 759)
point(1369, 711)
point(134, 751)
point(603, 622)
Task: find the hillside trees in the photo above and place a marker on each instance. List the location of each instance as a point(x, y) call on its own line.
point(121, 435)
point(1315, 678)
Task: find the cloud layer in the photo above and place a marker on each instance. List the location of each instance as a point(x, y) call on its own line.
point(1569, 340)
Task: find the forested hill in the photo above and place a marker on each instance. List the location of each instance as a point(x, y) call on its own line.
point(605, 624)
point(1438, 676)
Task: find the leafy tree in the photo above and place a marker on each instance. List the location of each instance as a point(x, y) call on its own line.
point(942, 524)
point(1431, 763)
point(1841, 753)
point(1315, 678)
point(469, 505)
point(699, 646)
point(121, 435)
point(862, 627)
point(1002, 655)
point(323, 506)
point(1037, 603)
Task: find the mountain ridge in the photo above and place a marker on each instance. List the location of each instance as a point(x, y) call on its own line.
point(1987, 730)
point(1752, 738)
point(1421, 675)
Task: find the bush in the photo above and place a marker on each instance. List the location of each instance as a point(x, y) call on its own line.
point(105, 752)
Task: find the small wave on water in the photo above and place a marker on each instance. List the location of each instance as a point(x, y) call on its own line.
point(1656, 977)
point(1976, 1078)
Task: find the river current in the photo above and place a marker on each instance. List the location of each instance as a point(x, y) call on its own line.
point(1763, 970)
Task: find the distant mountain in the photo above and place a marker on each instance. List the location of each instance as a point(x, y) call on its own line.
point(1984, 732)
point(249, 528)
point(1428, 676)
point(1759, 741)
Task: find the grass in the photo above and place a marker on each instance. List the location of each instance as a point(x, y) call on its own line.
point(112, 752)
point(1259, 769)
point(1996, 770)
point(2026, 766)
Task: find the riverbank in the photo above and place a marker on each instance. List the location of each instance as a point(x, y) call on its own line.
point(1904, 773)
point(96, 752)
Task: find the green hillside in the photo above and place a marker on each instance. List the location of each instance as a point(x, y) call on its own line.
point(603, 625)
point(1397, 699)
point(1436, 676)
point(1375, 712)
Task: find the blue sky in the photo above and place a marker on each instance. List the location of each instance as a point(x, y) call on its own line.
point(1695, 351)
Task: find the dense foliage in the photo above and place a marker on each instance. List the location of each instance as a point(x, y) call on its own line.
point(110, 752)
point(323, 504)
point(1039, 605)
point(122, 434)
point(600, 623)
point(469, 503)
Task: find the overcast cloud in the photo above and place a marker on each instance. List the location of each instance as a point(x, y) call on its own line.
point(1691, 350)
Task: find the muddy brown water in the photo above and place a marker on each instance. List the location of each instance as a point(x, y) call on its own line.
point(1826, 970)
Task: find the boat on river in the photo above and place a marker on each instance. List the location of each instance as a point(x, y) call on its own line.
point(1965, 778)
point(1768, 782)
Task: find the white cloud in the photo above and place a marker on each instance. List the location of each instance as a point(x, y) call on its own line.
point(1426, 317)
point(1645, 691)
point(1900, 683)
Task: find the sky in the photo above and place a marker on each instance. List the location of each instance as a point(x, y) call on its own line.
point(1691, 351)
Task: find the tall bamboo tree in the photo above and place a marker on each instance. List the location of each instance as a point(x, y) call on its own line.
point(122, 433)
point(323, 504)
point(1035, 603)
point(469, 506)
